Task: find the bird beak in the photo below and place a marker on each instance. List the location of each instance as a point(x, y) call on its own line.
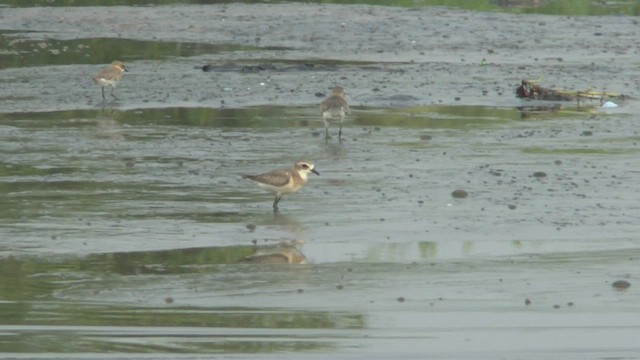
point(315, 171)
point(125, 69)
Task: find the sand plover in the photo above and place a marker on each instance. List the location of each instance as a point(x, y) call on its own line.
point(284, 181)
point(109, 77)
point(333, 109)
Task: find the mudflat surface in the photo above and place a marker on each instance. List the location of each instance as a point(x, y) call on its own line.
point(383, 55)
point(125, 225)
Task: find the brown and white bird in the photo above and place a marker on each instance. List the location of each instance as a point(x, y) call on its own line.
point(333, 109)
point(284, 181)
point(109, 77)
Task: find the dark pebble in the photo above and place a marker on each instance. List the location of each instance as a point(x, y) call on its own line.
point(512, 207)
point(401, 299)
point(621, 284)
point(459, 194)
point(556, 306)
point(539, 174)
point(339, 287)
point(527, 302)
point(426, 137)
point(300, 291)
point(251, 227)
point(168, 300)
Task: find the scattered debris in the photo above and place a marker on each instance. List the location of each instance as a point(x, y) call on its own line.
point(528, 89)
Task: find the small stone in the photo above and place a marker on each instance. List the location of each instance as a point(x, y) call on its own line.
point(300, 291)
point(459, 194)
point(168, 300)
point(512, 207)
point(401, 299)
point(527, 302)
point(539, 174)
point(339, 287)
point(621, 284)
point(251, 227)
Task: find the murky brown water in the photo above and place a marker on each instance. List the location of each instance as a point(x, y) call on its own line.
point(125, 227)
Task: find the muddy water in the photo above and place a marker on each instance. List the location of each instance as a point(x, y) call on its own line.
point(126, 228)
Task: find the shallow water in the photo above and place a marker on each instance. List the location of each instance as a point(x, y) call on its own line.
point(124, 235)
point(124, 225)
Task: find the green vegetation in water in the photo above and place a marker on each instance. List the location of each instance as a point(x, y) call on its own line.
point(436, 117)
point(577, 151)
point(259, 116)
point(36, 291)
point(554, 7)
point(23, 52)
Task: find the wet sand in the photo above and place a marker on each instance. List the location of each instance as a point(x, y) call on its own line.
point(384, 56)
point(123, 223)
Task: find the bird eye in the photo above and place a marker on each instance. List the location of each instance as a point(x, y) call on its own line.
point(305, 166)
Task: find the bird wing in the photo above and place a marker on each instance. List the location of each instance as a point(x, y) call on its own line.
point(334, 101)
point(109, 73)
point(275, 178)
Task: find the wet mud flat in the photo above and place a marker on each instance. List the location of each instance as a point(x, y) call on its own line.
point(421, 56)
point(125, 226)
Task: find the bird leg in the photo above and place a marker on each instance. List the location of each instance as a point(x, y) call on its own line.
point(112, 94)
point(103, 98)
point(275, 204)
